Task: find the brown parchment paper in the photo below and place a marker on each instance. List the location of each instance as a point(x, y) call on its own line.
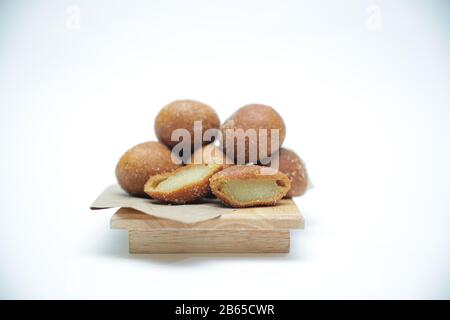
point(115, 197)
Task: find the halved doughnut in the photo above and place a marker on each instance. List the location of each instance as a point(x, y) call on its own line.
point(184, 185)
point(249, 186)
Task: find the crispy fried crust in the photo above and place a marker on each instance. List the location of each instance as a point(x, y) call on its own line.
point(186, 194)
point(181, 114)
point(210, 154)
point(253, 116)
point(252, 172)
point(141, 162)
point(292, 166)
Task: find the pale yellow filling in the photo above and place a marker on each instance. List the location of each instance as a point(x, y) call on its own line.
point(251, 190)
point(184, 178)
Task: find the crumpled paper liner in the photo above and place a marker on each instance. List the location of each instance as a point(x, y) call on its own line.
point(115, 197)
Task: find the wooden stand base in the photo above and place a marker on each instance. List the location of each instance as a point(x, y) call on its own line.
point(252, 230)
point(209, 241)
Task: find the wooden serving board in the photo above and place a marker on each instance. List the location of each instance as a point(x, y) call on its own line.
point(249, 230)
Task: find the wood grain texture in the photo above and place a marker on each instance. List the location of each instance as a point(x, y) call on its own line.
point(284, 216)
point(209, 241)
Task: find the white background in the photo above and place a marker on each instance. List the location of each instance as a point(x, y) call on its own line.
point(362, 85)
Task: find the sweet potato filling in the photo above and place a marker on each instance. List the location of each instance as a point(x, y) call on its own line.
point(183, 178)
point(251, 190)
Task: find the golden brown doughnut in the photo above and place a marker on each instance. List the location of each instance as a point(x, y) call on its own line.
point(141, 162)
point(257, 117)
point(181, 114)
point(249, 186)
point(210, 154)
point(184, 185)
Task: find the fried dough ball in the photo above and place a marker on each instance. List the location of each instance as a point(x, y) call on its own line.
point(141, 162)
point(181, 114)
point(210, 154)
point(249, 186)
point(184, 185)
point(256, 117)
